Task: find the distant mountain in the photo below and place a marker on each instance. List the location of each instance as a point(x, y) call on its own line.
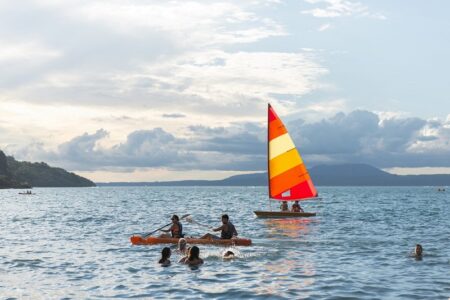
point(327, 175)
point(16, 174)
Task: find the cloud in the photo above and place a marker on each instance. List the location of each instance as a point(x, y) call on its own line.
point(324, 27)
point(174, 116)
point(237, 148)
point(340, 8)
point(137, 54)
point(359, 136)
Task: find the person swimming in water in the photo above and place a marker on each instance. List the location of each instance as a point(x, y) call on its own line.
point(418, 250)
point(165, 255)
point(182, 246)
point(193, 259)
point(228, 254)
point(186, 254)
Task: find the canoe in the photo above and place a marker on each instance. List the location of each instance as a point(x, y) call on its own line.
point(283, 214)
point(151, 240)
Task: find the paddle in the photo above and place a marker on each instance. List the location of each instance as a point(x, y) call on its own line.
point(190, 220)
point(150, 233)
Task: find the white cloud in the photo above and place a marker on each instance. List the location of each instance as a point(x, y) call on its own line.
point(340, 8)
point(13, 53)
point(324, 27)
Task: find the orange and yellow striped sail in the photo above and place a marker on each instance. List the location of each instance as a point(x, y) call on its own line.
point(288, 177)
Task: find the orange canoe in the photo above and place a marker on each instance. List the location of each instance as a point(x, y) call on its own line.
point(151, 240)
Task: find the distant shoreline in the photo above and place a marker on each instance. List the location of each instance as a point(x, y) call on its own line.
point(323, 175)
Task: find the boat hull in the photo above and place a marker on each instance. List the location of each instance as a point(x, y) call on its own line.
point(151, 240)
point(283, 214)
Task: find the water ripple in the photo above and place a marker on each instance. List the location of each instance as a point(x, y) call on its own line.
point(74, 244)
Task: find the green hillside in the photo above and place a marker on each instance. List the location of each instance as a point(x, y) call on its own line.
point(17, 174)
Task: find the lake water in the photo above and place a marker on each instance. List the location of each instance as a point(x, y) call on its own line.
point(73, 243)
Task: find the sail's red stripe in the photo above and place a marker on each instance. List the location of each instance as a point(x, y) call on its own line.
point(272, 114)
point(299, 192)
point(288, 179)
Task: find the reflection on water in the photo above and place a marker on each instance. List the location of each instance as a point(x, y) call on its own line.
point(290, 227)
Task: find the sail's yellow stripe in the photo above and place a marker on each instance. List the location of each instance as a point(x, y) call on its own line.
point(284, 162)
point(280, 145)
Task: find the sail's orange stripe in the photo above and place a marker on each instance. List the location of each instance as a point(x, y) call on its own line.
point(284, 162)
point(288, 179)
point(276, 128)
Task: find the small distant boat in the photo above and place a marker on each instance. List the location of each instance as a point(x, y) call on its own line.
point(151, 240)
point(26, 193)
point(288, 178)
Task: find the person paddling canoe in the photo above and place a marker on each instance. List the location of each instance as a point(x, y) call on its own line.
point(176, 230)
point(227, 229)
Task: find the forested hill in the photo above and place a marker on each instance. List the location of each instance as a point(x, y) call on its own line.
point(17, 174)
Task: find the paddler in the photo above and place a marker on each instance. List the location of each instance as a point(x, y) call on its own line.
point(176, 230)
point(227, 230)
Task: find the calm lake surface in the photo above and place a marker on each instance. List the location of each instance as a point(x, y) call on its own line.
point(73, 243)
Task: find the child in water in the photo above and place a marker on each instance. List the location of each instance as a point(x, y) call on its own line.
point(228, 255)
point(165, 255)
point(182, 246)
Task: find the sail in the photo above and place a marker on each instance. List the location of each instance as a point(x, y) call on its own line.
point(288, 177)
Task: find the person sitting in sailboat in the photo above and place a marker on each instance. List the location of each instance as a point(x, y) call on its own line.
point(176, 230)
point(284, 206)
point(228, 231)
point(296, 207)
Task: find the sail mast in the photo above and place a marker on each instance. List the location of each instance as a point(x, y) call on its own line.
point(268, 148)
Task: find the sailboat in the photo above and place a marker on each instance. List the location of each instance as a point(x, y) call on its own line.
point(288, 178)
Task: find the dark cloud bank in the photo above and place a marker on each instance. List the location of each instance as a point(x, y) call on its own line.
point(357, 137)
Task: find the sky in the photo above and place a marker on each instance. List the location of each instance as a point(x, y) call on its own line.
point(137, 90)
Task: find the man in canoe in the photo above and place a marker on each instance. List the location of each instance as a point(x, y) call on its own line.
point(227, 230)
point(176, 230)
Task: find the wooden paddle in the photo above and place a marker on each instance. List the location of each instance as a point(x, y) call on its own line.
point(190, 220)
point(150, 233)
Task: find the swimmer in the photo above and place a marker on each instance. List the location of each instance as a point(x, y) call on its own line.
point(229, 255)
point(418, 251)
point(165, 255)
point(182, 246)
point(193, 259)
point(185, 257)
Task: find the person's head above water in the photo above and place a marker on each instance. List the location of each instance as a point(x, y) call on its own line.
point(194, 253)
point(182, 244)
point(418, 250)
point(165, 254)
point(229, 253)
